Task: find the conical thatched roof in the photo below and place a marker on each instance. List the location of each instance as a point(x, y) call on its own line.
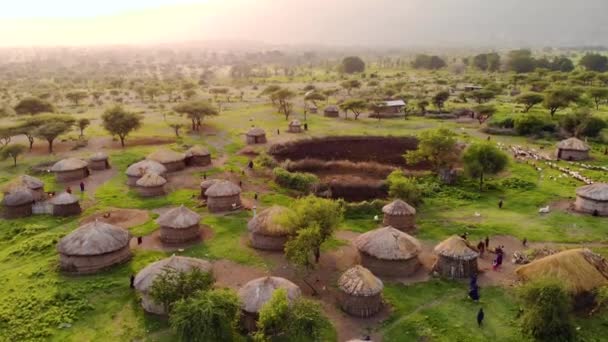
point(223, 189)
point(94, 238)
point(146, 166)
point(166, 156)
point(69, 164)
point(18, 197)
point(388, 243)
point(178, 218)
point(295, 122)
point(63, 198)
point(399, 208)
point(457, 248)
point(197, 151)
point(145, 278)
point(23, 181)
point(207, 183)
point(256, 132)
point(99, 156)
point(151, 180)
point(573, 144)
point(596, 192)
point(266, 222)
point(579, 270)
point(257, 292)
point(359, 281)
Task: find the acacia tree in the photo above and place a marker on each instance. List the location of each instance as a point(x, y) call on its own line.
point(196, 111)
point(282, 99)
point(422, 104)
point(76, 96)
point(482, 95)
point(82, 124)
point(173, 285)
point(12, 151)
point(354, 105)
point(484, 112)
point(559, 98)
point(33, 105)
point(529, 100)
point(598, 94)
point(437, 147)
point(269, 90)
point(350, 85)
point(118, 121)
point(440, 98)
point(484, 158)
point(53, 127)
point(6, 134)
point(352, 64)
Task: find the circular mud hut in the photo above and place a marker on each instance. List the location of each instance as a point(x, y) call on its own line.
point(146, 277)
point(179, 225)
point(265, 232)
point(456, 258)
point(99, 161)
point(257, 292)
point(223, 196)
point(256, 135)
point(331, 111)
point(65, 204)
point(136, 171)
point(572, 149)
point(360, 292)
point(34, 185)
point(206, 184)
point(18, 203)
point(389, 252)
point(592, 199)
point(93, 247)
point(70, 169)
point(151, 185)
point(198, 156)
point(295, 126)
point(398, 214)
point(173, 161)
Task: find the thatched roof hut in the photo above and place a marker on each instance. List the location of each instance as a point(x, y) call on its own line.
point(256, 135)
point(266, 231)
point(173, 161)
point(70, 169)
point(18, 203)
point(572, 149)
point(331, 111)
point(360, 292)
point(389, 252)
point(456, 258)
point(93, 247)
point(398, 214)
point(137, 170)
point(198, 156)
point(295, 126)
point(99, 161)
point(257, 292)
point(223, 196)
point(33, 184)
point(150, 185)
point(206, 184)
point(179, 225)
point(145, 278)
point(592, 199)
point(65, 204)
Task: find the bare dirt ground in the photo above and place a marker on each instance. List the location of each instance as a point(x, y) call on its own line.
point(125, 218)
point(234, 275)
point(152, 241)
point(99, 143)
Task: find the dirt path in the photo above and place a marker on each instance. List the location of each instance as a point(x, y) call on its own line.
point(125, 218)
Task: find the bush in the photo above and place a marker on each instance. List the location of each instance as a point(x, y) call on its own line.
point(516, 183)
point(294, 180)
point(532, 124)
point(171, 286)
point(405, 188)
point(265, 160)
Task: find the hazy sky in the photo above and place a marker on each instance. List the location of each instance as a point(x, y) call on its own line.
point(345, 22)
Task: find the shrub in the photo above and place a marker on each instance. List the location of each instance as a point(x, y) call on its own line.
point(265, 160)
point(532, 124)
point(294, 180)
point(516, 183)
point(405, 188)
point(171, 286)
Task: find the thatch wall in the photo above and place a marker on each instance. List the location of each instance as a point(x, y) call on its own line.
point(18, 211)
point(587, 205)
point(38, 194)
point(455, 267)
point(151, 191)
point(99, 164)
point(405, 223)
point(132, 180)
point(176, 236)
point(198, 160)
point(224, 203)
point(360, 306)
point(72, 175)
point(71, 209)
point(390, 268)
point(260, 139)
point(249, 321)
point(175, 165)
point(572, 154)
point(331, 113)
point(93, 263)
point(266, 242)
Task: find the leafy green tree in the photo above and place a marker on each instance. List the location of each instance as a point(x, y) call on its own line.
point(349, 85)
point(546, 311)
point(152, 92)
point(6, 135)
point(12, 151)
point(487, 61)
point(269, 90)
point(582, 123)
point(594, 62)
point(598, 94)
point(314, 97)
point(422, 104)
point(484, 112)
point(562, 63)
point(282, 99)
point(559, 98)
point(484, 158)
point(33, 105)
point(82, 125)
point(531, 124)
point(176, 126)
point(483, 95)
point(440, 98)
point(196, 111)
point(520, 61)
point(405, 188)
point(329, 92)
point(423, 61)
point(529, 100)
point(436, 147)
point(53, 127)
point(352, 64)
point(354, 105)
point(172, 285)
point(76, 96)
point(206, 316)
point(120, 122)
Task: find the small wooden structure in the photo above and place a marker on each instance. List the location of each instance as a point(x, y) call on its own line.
point(391, 108)
point(206, 184)
point(295, 126)
point(34, 185)
point(137, 170)
point(592, 199)
point(151, 185)
point(256, 135)
point(456, 258)
point(398, 214)
point(198, 156)
point(360, 292)
point(93, 247)
point(389, 252)
point(18, 203)
point(173, 161)
point(257, 292)
point(223, 196)
point(145, 278)
point(70, 169)
point(99, 161)
point(331, 111)
point(179, 225)
point(265, 230)
point(65, 204)
point(572, 149)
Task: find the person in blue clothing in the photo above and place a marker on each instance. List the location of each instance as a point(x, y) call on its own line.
point(480, 317)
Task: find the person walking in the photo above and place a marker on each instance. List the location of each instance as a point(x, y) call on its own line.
point(500, 203)
point(81, 186)
point(481, 247)
point(132, 281)
point(487, 242)
point(480, 317)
